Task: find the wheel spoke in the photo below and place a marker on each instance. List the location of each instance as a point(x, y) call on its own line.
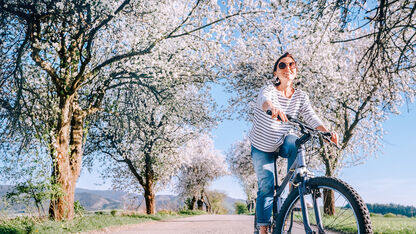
point(343, 219)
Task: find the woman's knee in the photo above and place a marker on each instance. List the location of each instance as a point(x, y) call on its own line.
point(290, 140)
point(266, 186)
point(289, 149)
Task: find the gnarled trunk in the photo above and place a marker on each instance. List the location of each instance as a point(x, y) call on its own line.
point(67, 159)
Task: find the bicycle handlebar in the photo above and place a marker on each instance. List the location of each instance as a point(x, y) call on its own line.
point(325, 135)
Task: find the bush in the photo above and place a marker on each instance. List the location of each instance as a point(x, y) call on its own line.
point(191, 212)
point(166, 212)
point(389, 215)
point(78, 208)
point(240, 208)
point(375, 215)
point(99, 212)
point(113, 212)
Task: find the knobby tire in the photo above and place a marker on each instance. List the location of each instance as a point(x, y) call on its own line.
point(346, 192)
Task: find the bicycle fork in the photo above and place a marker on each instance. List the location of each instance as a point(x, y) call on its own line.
point(302, 192)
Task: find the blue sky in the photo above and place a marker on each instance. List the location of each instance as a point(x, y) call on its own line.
point(386, 178)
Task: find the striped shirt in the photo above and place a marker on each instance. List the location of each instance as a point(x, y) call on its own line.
point(268, 134)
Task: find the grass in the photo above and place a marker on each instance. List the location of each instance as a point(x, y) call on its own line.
point(395, 224)
point(23, 225)
point(382, 224)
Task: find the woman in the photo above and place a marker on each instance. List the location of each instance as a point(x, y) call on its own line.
point(269, 134)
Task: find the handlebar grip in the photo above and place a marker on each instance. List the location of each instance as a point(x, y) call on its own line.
point(328, 134)
point(269, 112)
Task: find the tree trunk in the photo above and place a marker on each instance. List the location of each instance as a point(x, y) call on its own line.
point(191, 205)
point(67, 157)
point(200, 203)
point(329, 202)
point(250, 205)
point(38, 206)
point(149, 197)
point(208, 206)
point(329, 199)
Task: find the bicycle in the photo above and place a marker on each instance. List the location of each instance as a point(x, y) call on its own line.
point(304, 210)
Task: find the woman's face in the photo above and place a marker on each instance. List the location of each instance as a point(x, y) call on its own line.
point(288, 73)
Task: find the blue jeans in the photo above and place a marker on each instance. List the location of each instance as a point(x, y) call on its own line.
point(263, 166)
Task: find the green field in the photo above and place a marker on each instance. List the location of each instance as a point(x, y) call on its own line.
point(395, 224)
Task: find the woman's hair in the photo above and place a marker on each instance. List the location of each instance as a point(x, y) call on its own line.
point(277, 81)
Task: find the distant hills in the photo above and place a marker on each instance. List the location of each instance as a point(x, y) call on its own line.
point(93, 200)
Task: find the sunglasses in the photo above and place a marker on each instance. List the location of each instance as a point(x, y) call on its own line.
point(283, 65)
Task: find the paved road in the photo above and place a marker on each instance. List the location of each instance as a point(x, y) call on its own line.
point(199, 224)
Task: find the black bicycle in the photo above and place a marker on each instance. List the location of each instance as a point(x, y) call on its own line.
point(315, 204)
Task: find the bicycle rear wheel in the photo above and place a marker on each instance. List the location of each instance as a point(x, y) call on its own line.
point(347, 213)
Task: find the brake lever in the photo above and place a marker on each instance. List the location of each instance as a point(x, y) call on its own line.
point(327, 137)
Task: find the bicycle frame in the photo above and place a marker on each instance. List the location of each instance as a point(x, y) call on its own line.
point(297, 174)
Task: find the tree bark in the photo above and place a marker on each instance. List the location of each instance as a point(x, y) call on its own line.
point(250, 205)
point(329, 202)
point(67, 158)
point(329, 199)
point(149, 197)
point(191, 205)
point(200, 203)
point(149, 194)
point(207, 202)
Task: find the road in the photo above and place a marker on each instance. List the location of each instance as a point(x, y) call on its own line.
point(199, 224)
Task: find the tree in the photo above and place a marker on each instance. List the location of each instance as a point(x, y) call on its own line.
point(203, 163)
point(390, 27)
point(60, 58)
point(216, 202)
point(37, 192)
point(241, 165)
point(28, 172)
point(142, 133)
point(240, 208)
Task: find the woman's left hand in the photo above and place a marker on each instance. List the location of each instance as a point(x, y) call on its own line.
point(334, 137)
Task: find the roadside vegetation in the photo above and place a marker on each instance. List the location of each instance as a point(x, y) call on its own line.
point(409, 211)
point(87, 222)
point(391, 223)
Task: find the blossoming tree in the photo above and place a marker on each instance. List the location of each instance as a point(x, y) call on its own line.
point(60, 58)
point(202, 164)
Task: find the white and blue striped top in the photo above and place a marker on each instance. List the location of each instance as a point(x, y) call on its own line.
point(268, 134)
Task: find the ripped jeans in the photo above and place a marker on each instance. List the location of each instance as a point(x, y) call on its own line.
point(263, 166)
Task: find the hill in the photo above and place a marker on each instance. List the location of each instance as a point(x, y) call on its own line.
point(93, 200)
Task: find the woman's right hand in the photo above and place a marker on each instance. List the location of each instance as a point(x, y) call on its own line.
point(267, 105)
point(277, 112)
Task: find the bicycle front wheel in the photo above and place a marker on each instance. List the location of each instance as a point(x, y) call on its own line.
point(332, 207)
